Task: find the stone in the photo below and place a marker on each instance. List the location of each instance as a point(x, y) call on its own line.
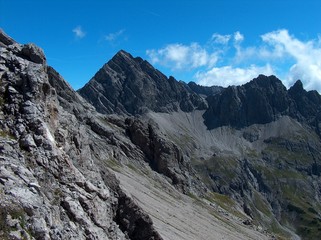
point(27, 142)
point(58, 155)
point(129, 85)
point(33, 53)
point(263, 100)
point(5, 40)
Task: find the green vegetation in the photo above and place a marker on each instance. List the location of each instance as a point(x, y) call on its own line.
point(6, 134)
point(223, 167)
point(294, 152)
point(225, 202)
point(181, 141)
point(297, 195)
point(15, 213)
point(138, 170)
point(261, 204)
point(113, 164)
point(278, 231)
point(57, 196)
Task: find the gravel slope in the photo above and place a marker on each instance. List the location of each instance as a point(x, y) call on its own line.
point(180, 217)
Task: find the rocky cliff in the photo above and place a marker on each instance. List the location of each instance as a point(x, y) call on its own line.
point(137, 155)
point(127, 85)
point(54, 182)
point(262, 100)
point(247, 142)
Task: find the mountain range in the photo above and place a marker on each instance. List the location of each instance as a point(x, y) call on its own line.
point(135, 154)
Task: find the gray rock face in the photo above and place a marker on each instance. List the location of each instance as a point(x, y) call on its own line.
point(261, 101)
point(204, 90)
point(132, 86)
point(5, 40)
point(53, 183)
point(258, 156)
point(163, 155)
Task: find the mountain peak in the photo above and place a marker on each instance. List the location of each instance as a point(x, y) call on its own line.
point(297, 86)
point(123, 54)
point(267, 82)
point(131, 85)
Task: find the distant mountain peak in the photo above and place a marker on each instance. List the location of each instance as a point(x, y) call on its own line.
point(297, 86)
point(260, 101)
point(123, 54)
point(131, 85)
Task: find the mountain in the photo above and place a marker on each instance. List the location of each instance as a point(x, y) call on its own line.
point(54, 179)
point(127, 85)
point(262, 101)
point(136, 155)
point(257, 143)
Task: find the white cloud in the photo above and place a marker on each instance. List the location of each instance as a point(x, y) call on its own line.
point(238, 37)
point(79, 32)
point(228, 75)
point(220, 39)
point(111, 37)
point(226, 60)
point(307, 57)
point(182, 57)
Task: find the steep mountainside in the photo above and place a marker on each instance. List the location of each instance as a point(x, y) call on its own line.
point(68, 172)
point(54, 182)
point(142, 156)
point(259, 144)
point(262, 100)
point(132, 86)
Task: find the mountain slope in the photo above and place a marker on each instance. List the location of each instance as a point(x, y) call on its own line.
point(262, 100)
point(258, 144)
point(59, 157)
point(53, 180)
point(130, 85)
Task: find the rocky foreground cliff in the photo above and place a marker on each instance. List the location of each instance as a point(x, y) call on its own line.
point(54, 178)
point(137, 155)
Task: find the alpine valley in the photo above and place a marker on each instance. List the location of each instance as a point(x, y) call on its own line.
point(137, 155)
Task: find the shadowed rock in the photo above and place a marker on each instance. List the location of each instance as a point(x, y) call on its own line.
point(130, 85)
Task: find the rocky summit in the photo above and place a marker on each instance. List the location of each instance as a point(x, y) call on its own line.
point(137, 155)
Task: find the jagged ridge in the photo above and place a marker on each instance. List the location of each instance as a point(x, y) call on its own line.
point(259, 145)
point(130, 85)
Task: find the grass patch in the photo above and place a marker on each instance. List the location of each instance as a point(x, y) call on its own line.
point(221, 169)
point(277, 230)
point(293, 152)
point(113, 164)
point(224, 202)
point(6, 134)
point(262, 205)
point(15, 213)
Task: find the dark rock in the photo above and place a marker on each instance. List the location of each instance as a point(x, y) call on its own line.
point(163, 156)
point(263, 100)
point(130, 85)
point(134, 221)
point(205, 90)
point(33, 53)
point(248, 222)
point(5, 40)
point(308, 104)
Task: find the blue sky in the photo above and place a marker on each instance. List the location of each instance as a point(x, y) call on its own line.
point(222, 42)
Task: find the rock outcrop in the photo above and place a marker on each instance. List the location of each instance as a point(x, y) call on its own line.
point(261, 101)
point(246, 157)
point(53, 180)
point(127, 85)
